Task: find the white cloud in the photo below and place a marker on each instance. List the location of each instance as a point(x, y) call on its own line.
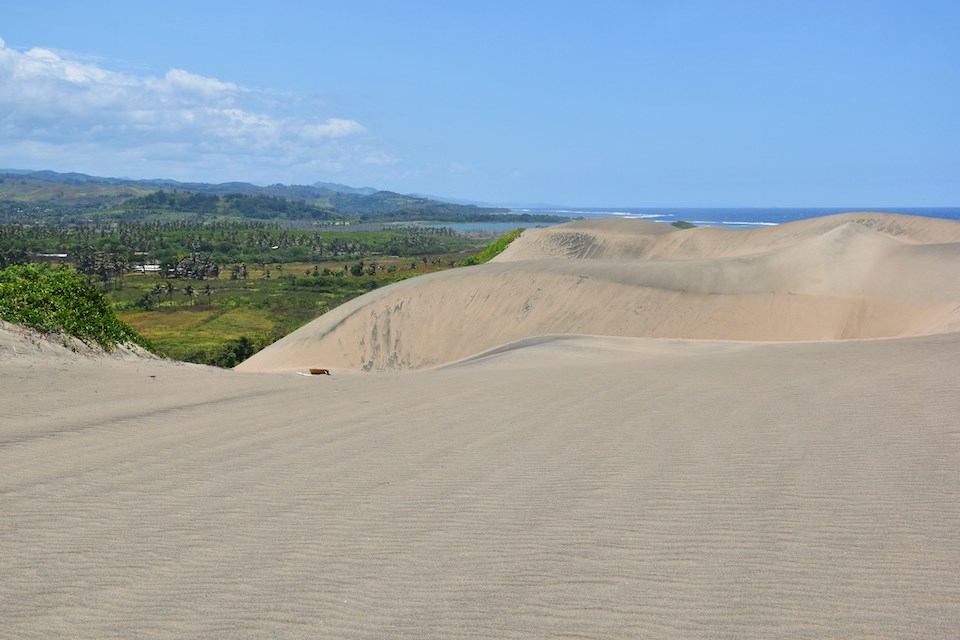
point(56, 109)
point(332, 128)
point(189, 84)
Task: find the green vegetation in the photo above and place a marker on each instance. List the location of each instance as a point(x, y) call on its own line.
point(232, 353)
point(494, 249)
point(160, 204)
point(196, 320)
point(683, 224)
point(181, 246)
point(200, 321)
point(57, 300)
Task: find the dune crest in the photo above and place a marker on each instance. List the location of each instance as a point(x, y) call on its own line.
point(849, 276)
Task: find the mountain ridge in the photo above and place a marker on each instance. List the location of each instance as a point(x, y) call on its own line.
point(31, 196)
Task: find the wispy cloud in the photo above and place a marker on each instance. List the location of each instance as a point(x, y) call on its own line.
point(57, 109)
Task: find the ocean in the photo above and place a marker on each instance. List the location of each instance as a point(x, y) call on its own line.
point(742, 217)
point(737, 217)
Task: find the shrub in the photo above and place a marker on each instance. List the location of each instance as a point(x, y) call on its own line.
point(58, 300)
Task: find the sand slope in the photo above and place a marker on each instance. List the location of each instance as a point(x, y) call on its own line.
point(839, 277)
point(562, 486)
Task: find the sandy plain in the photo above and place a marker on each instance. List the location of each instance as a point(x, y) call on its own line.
point(616, 429)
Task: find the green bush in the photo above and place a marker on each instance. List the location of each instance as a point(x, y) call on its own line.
point(58, 300)
point(494, 249)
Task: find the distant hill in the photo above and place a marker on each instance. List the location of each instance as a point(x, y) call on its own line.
point(342, 188)
point(46, 189)
point(24, 195)
point(32, 185)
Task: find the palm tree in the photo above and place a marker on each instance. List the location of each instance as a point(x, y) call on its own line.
point(191, 293)
point(119, 264)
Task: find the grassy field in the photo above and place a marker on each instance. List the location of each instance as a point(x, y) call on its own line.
point(195, 320)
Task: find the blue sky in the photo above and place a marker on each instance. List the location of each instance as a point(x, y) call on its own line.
point(604, 103)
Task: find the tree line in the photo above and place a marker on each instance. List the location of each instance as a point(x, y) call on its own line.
point(237, 205)
point(108, 250)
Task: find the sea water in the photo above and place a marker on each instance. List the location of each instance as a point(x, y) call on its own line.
point(742, 218)
point(737, 217)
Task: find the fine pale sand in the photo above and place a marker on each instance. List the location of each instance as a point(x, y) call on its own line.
point(838, 277)
point(534, 482)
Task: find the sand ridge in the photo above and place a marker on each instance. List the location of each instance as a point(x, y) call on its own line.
point(848, 276)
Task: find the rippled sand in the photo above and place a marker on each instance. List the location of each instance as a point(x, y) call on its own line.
point(544, 486)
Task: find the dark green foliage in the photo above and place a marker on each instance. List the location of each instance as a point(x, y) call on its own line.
point(184, 202)
point(57, 300)
point(683, 224)
point(231, 205)
point(271, 207)
point(494, 249)
point(228, 355)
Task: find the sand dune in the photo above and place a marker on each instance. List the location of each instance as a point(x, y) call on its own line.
point(540, 483)
point(840, 277)
point(629, 238)
point(563, 486)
